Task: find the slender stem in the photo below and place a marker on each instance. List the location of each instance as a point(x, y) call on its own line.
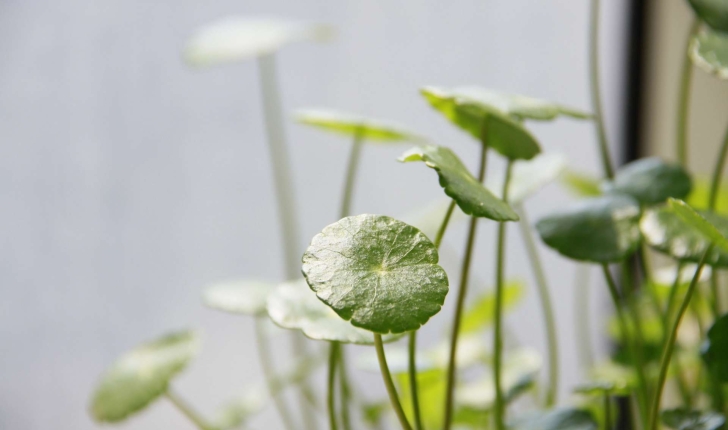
point(607, 411)
point(351, 170)
point(596, 91)
point(683, 108)
point(265, 358)
point(638, 338)
point(460, 303)
point(331, 387)
point(186, 410)
point(547, 308)
point(345, 390)
point(413, 380)
point(682, 382)
point(389, 384)
point(671, 299)
point(498, 326)
point(712, 202)
point(583, 326)
point(443, 226)
point(670, 345)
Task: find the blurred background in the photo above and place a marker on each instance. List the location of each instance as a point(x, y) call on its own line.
point(129, 181)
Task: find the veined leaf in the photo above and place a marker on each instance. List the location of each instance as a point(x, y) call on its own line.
point(709, 51)
point(685, 419)
point(713, 12)
point(238, 297)
point(528, 177)
point(354, 125)
point(480, 315)
point(715, 349)
point(651, 181)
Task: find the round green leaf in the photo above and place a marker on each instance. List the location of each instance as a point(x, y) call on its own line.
point(294, 306)
point(235, 38)
point(557, 419)
point(472, 197)
point(666, 232)
point(713, 12)
point(354, 125)
point(376, 271)
point(142, 375)
point(238, 297)
point(651, 181)
point(715, 349)
point(529, 176)
point(709, 51)
point(484, 120)
point(601, 229)
point(685, 419)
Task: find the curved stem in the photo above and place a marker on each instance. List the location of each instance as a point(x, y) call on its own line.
point(712, 202)
point(414, 392)
point(345, 390)
point(683, 108)
point(682, 382)
point(498, 326)
point(546, 308)
point(443, 226)
point(670, 345)
point(583, 326)
point(351, 170)
point(389, 384)
point(331, 386)
point(596, 91)
point(460, 304)
point(638, 340)
point(187, 411)
point(265, 358)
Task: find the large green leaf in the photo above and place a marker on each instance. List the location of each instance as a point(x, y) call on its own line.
point(709, 51)
point(713, 12)
point(484, 120)
point(376, 271)
point(355, 125)
point(481, 313)
point(601, 229)
point(688, 215)
point(238, 38)
point(529, 176)
point(142, 375)
point(715, 349)
point(294, 306)
point(238, 297)
point(651, 181)
point(666, 232)
point(472, 197)
point(685, 419)
point(557, 419)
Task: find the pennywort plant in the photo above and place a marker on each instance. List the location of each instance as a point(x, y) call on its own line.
point(658, 235)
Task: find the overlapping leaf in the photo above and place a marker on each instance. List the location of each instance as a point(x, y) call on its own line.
point(354, 125)
point(690, 217)
point(651, 181)
point(238, 297)
point(709, 51)
point(713, 12)
point(557, 419)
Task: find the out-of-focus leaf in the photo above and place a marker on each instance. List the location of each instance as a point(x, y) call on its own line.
point(581, 184)
point(428, 219)
point(238, 297)
point(236, 412)
point(480, 314)
point(431, 385)
point(600, 388)
point(557, 419)
point(715, 349)
point(698, 198)
point(622, 378)
point(706, 227)
point(651, 181)
point(528, 177)
point(369, 129)
point(709, 51)
point(713, 12)
point(685, 419)
point(374, 412)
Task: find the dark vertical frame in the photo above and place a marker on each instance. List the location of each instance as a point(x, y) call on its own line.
point(636, 67)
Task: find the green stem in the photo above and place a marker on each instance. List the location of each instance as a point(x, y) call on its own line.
point(607, 411)
point(596, 91)
point(671, 299)
point(266, 363)
point(460, 303)
point(498, 326)
point(345, 390)
point(582, 314)
point(331, 387)
point(414, 392)
point(351, 170)
point(670, 345)
point(443, 226)
point(712, 203)
point(546, 308)
point(639, 338)
point(681, 380)
point(683, 108)
point(389, 384)
point(186, 410)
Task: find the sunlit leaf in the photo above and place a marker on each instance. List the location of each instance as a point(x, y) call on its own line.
point(700, 195)
point(700, 222)
point(715, 349)
point(238, 38)
point(651, 181)
point(431, 386)
point(354, 125)
point(472, 197)
point(713, 12)
point(581, 184)
point(600, 229)
point(684, 419)
point(709, 51)
point(141, 375)
point(294, 306)
point(481, 313)
point(376, 271)
point(557, 419)
point(529, 176)
point(238, 297)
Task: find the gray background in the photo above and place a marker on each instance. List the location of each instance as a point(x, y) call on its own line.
point(129, 182)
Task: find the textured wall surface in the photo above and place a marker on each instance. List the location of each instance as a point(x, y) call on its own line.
point(128, 182)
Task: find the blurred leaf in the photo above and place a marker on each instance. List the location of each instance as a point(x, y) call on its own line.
point(622, 378)
point(715, 349)
point(376, 271)
point(528, 177)
point(428, 219)
point(374, 412)
point(238, 297)
point(709, 51)
point(472, 197)
point(481, 313)
point(557, 419)
point(580, 184)
point(706, 227)
point(600, 388)
point(600, 229)
point(235, 413)
point(472, 418)
point(684, 419)
point(431, 384)
point(698, 198)
point(235, 38)
point(141, 376)
point(651, 181)
point(713, 12)
point(354, 125)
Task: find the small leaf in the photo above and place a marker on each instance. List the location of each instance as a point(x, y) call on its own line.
point(142, 375)
point(237, 38)
point(354, 125)
point(684, 419)
point(376, 271)
point(479, 118)
point(557, 419)
point(581, 184)
point(651, 181)
point(294, 306)
point(713, 12)
point(472, 197)
point(691, 217)
point(481, 314)
point(529, 176)
point(238, 297)
point(601, 229)
point(601, 388)
point(709, 51)
point(715, 349)
point(237, 412)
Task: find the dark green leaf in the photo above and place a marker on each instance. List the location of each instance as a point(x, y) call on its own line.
point(684, 419)
point(557, 419)
point(700, 222)
point(472, 197)
point(715, 349)
point(482, 119)
point(236, 38)
point(376, 271)
point(529, 176)
point(354, 125)
point(142, 375)
point(238, 297)
point(601, 229)
point(651, 181)
point(709, 51)
point(713, 12)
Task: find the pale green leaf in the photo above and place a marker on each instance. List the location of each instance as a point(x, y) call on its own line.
point(237, 412)
point(685, 419)
point(709, 51)
point(356, 126)
point(700, 196)
point(651, 181)
point(581, 184)
point(244, 297)
point(713, 12)
point(480, 314)
point(529, 176)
